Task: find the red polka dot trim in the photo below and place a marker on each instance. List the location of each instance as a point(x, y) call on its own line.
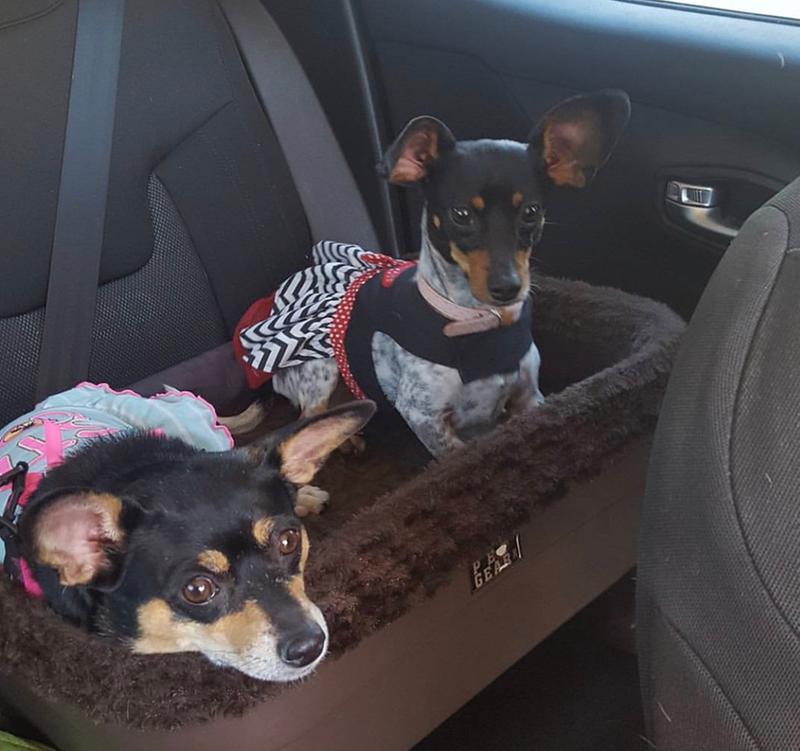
point(391, 268)
point(341, 320)
point(387, 280)
point(379, 260)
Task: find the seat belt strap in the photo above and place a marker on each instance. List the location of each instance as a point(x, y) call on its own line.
point(328, 191)
point(82, 193)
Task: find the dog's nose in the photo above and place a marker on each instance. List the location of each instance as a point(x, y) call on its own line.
point(302, 648)
point(505, 291)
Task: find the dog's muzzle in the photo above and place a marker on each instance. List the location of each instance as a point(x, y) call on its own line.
point(281, 658)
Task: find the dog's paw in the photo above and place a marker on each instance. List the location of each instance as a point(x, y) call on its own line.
point(355, 444)
point(311, 500)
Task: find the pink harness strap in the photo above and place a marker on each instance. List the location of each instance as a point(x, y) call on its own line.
point(29, 583)
point(54, 455)
point(53, 450)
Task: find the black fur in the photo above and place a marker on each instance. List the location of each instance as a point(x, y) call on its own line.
point(177, 502)
point(510, 179)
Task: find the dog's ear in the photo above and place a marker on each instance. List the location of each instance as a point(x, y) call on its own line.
point(79, 534)
point(577, 136)
point(410, 158)
point(300, 449)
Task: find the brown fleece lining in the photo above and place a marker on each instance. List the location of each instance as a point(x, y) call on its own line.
point(372, 560)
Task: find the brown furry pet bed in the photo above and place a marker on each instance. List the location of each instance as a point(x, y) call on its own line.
point(397, 528)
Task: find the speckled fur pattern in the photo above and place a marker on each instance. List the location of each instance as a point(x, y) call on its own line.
point(308, 386)
point(438, 407)
point(431, 398)
point(606, 360)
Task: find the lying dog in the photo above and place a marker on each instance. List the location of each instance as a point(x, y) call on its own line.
point(146, 527)
point(447, 341)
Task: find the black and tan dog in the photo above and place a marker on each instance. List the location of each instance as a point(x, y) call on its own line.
point(446, 341)
point(167, 548)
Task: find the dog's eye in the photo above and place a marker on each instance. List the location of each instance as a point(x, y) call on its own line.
point(199, 590)
point(288, 540)
point(461, 215)
point(530, 213)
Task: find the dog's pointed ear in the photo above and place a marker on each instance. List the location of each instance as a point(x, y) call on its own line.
point(80, 535)
point(412, 156)
point(300, 449)
point(577, 136)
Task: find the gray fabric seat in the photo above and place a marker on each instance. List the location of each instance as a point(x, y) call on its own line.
point(202, 216)
point(719, 577)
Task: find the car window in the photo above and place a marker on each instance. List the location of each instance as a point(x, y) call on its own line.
point(787, 9)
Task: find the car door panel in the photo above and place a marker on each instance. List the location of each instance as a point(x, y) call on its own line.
point(709, 105)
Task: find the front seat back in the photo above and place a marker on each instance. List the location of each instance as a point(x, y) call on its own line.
point(719, 576)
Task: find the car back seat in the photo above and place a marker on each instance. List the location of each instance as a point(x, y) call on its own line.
point(202, 214)
point(202, 218)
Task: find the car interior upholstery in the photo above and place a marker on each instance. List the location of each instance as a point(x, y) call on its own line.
point(204, 215)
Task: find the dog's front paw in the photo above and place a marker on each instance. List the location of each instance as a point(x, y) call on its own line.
point(311, 500)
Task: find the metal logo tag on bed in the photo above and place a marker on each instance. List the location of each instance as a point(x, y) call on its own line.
point(494, 563)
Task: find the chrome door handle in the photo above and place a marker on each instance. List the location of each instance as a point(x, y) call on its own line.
point(696, 206)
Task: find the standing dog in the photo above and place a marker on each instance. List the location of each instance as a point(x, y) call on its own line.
point(447, 342)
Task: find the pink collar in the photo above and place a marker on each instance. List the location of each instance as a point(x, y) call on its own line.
point(464, 320)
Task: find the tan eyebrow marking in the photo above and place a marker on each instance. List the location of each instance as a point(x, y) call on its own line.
point(215, 561)
point(516, 200)
point(262, 530)
point(478, 203)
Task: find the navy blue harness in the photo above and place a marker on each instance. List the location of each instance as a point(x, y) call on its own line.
point(399, 311)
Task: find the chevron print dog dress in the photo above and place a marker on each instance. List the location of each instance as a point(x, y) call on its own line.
point(332, 308)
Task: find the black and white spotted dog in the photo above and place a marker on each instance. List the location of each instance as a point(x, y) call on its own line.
point(446, 341)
